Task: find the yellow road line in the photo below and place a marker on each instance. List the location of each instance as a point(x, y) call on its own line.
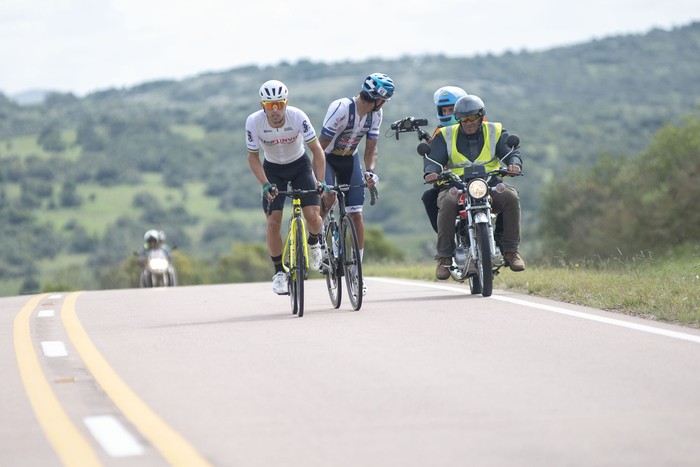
point(70, 445)
point(171, 444)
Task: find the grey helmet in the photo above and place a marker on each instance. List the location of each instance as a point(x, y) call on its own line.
point(469, 105)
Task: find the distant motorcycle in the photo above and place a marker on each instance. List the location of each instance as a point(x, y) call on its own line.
point(158, 270)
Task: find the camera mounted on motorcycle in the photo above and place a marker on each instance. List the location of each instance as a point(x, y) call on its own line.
point(408, 124)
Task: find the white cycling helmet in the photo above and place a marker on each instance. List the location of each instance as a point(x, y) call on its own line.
point(273, 90)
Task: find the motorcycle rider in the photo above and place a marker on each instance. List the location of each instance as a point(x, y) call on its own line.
point(150, 242)
point(445, 99)
point(473, 139)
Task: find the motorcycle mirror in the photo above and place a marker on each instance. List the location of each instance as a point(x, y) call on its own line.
point(513, 141)
point(424, 149)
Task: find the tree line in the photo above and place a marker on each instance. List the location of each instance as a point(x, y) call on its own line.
point(582, 112)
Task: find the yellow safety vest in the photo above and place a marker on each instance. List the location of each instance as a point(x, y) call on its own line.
point(456, 161)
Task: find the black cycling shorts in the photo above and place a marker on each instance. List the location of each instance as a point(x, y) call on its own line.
point(298, 174)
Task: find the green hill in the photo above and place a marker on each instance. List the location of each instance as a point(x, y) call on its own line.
point(87, 176)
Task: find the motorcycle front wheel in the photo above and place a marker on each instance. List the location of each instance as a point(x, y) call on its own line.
point(484, 263)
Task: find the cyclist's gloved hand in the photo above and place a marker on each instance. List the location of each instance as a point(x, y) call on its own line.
point(322, 187)
point(269, 190)
point(372, 177)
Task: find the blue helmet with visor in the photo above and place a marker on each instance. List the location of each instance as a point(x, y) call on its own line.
point(447, 96)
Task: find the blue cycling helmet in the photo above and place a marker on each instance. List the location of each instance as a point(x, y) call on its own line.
point(447, 96)
point(378, 86)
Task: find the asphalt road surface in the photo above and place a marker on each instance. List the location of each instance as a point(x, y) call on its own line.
point(423, 375)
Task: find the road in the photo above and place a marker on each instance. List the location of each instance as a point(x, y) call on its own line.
point(423, 375)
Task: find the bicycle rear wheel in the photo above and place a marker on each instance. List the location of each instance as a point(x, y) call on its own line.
point(333, 281)
point(352, 266)
point(300, 268)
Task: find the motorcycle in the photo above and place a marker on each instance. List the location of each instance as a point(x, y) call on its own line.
point(477, 256)
point(158, 270)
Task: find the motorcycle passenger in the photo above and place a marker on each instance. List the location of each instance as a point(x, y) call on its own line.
point(161, 244)
point(168, 252)
point(347, 121)
point(281, 131)
point(445, 99)
point(472, 139)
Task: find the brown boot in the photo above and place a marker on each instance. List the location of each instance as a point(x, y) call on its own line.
point(442, 270)
point(514, 260)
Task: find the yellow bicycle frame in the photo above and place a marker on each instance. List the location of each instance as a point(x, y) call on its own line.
point(291, 243)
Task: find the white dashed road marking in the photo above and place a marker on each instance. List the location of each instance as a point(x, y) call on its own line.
point(54, 349)
point(113, 437)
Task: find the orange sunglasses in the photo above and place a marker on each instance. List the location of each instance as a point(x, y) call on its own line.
point(470, 118)
point(274, 105)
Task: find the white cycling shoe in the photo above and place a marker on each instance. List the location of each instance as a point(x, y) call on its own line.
point(315, 257)
point(279, 283)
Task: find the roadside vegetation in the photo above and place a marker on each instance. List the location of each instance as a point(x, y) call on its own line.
point(662, 289)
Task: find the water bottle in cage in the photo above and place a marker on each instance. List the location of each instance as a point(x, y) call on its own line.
point(335, 243)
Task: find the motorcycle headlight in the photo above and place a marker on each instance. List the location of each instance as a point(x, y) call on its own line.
point(158, 264)
point(478, 189)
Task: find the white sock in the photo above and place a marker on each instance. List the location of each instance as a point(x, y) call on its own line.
point(362, 250)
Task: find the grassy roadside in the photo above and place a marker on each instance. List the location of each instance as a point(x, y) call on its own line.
point(662, 290)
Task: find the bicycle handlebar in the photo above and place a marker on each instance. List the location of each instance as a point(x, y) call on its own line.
point(298, 192)
point(373, 193)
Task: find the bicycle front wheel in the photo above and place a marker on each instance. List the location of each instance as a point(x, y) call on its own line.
point(350, 257)
point(333, 281)
point(290, 260)
point(300, 267)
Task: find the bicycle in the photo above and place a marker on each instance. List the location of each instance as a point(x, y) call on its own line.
point(295, 257)
point(342, 252)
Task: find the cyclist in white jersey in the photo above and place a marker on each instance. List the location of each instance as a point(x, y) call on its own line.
point(281, 131)
point(347, 121)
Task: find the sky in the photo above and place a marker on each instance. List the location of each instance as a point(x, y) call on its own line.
point(82, 46)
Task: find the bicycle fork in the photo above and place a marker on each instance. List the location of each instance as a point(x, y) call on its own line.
point(291, 244)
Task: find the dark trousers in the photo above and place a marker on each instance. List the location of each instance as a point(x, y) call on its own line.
point(506, 203)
